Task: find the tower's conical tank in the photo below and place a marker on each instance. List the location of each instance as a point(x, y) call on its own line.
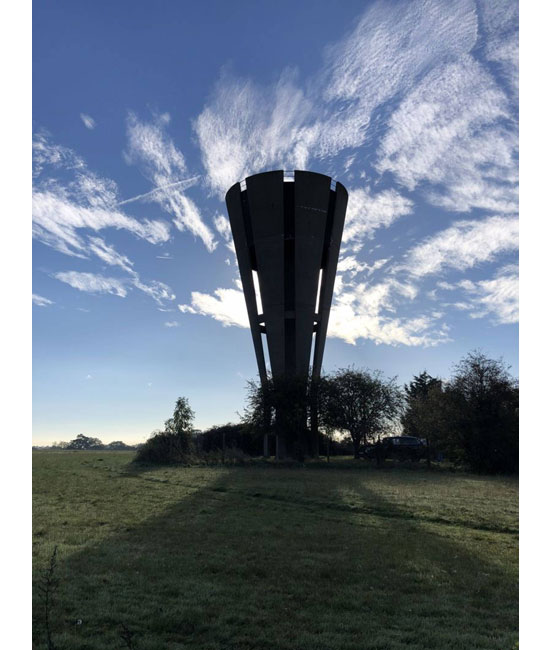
point(287, 228)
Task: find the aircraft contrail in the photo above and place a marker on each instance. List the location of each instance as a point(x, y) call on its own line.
point(189, 181)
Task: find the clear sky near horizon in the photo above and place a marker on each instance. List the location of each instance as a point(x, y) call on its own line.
point(145, 113)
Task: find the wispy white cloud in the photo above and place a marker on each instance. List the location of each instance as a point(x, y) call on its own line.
point(171, 323)
point(246, 128)
point(109, 255)
point(223, 227)
point(409, 78)
point(363, 311)
point(449, 132)
point(497, 298)
point(464, 245)
point(45, 153)
point(41, 301)
point(164, 165)
point(226, 306)
point(499, 21)
point(183, 185)
point(88, 121)
point(409, 94)
point(352, 323)
point(391, 47)
point(367, 212)
point(64, 212)
point(57, 218)
point(97, 283)
point(62, 209)
point(351, 266)
point(370, 311)
point(158, 291)
point(93, 283)
point(359, 312)
point(462, 306)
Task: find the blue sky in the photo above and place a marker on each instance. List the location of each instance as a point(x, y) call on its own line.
point(144, 114)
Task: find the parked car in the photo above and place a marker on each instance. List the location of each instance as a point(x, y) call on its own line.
point(399, 448)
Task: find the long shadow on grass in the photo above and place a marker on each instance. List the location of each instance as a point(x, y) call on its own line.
point(276, 559)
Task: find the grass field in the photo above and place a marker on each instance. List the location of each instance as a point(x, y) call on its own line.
point(266, 557)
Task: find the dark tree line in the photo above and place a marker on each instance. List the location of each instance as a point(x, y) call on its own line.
point(358, 403)
point(473, 419)
point(82, 442)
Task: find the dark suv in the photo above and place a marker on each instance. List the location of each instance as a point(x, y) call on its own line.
point(399, 447)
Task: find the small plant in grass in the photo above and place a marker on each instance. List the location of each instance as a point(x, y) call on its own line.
point(128, 637)
point(47, 588)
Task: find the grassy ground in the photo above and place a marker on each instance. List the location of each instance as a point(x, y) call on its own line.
point(265, 557)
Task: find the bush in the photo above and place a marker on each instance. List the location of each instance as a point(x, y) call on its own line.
point(243, 437)
point(165, 448)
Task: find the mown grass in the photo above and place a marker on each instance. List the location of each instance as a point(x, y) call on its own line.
point(267, 557)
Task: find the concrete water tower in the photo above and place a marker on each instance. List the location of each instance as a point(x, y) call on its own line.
point(287, 229)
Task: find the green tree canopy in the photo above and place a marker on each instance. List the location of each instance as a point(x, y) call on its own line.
point(422, 405)
point(360, 402)
point(482, 414)
point(84, 442)
point(182, 420)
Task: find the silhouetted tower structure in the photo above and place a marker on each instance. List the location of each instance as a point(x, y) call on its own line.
point(287, 229)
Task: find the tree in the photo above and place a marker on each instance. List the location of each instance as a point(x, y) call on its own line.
point(174, 444)
point(61, 444)
point(182, 421)
point(259, 411)
point(118, 445)
point(424, 408)
point(84, 442)
point(481, 410)
point(360, 402)
point(417, 420)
